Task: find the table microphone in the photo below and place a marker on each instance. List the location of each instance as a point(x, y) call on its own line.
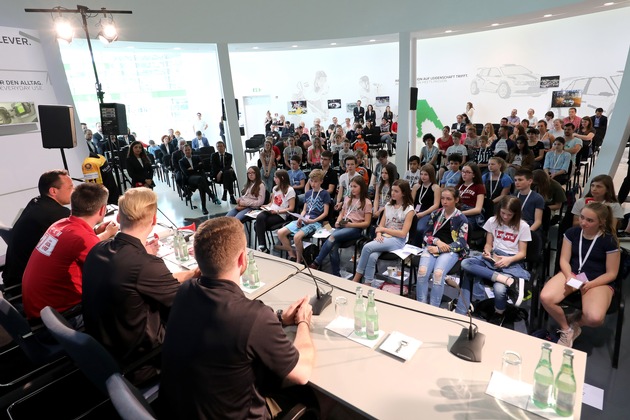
point(321, 300)
point(470, 342)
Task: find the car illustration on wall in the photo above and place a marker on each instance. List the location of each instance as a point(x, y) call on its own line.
point(507, 80)
point(597, 91)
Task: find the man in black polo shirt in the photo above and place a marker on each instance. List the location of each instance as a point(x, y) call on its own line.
point(55, 188)
point(223, 353)
point(126, 288)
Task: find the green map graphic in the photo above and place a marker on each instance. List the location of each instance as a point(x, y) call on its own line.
point(424, 112)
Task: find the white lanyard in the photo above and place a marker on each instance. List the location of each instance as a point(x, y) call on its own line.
point(526, 198)
point(555, 162)
point(350, 208)
point(492, 190)
point(588, 253)
point(312, 201)
point(423, 192)
point(430, 153)
point(439, 225)
point(467, 188)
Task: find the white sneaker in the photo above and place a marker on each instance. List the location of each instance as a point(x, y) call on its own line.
point(566, 337)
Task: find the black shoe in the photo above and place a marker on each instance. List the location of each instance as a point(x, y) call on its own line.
point(232, 200)
point(224, 198)
point(516, 290)
point(204, 211)
point(496, 319)
point(264, 249)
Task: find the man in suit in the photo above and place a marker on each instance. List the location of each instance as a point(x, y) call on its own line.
point(200, 141)
point(359, 113)
point(460, 125)
point(222, 171)
point(194, 176)
point(600, 124)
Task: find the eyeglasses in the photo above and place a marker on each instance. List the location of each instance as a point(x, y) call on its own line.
point(467, 172)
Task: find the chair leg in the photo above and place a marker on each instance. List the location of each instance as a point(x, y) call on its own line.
point(619, 330)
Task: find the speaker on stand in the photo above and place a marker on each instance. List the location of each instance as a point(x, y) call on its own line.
point(113, 124)
point(57, 128)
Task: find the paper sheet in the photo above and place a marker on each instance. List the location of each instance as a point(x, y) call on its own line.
point(593, 396)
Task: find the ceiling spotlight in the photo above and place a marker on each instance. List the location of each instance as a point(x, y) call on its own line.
point(548, 15)
point(293, 46)
point(333, 43)
point(610, 3)
point(65, 31)
point(495, 24)
point(108, 33)
point(448, 31)
point(254, 48)
point(372, 40)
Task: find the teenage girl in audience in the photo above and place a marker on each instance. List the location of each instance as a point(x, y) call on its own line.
point(252, 196)
point(392, 230)
point(536, 146)
point(445, 141)
point(502, 259)
point(496, 182)
point(488, 130)
point(590, 252)
point(383, 190)
point(602, 190)
point(282, 202)
point(550, 189)
point(426, 199)
point(585, 131)
point(314, 154)
point(355, 216)
point(268, 161)
point(471, 193)
point(444, 243)
point(520, 157)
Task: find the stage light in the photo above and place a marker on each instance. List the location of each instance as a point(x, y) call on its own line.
point(108, 33)
point(64, 29)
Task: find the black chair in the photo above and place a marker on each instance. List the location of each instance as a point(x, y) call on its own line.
point(206, 151)
point(130, 404)
point(40, 353)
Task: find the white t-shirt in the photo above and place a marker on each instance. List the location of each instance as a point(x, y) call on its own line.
point(281, 201)
point(616, 208)
point(412, 178)
point(344, 181)
point(506, 239)
point(395, 217)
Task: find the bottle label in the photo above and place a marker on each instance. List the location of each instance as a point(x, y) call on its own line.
point(565, 402)
point(541, 393)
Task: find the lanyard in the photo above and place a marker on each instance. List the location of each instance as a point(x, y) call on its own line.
point(555, 162)
point(588, 253)
point(441, 222)
point(423, 192)
point(350, 208)
point(467, 188)
point(526, 198)
point(312, 201)
point(492, 190)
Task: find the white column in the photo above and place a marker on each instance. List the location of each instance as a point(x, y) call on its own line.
point(618, 130)
point(406, 79)
point(232, 130)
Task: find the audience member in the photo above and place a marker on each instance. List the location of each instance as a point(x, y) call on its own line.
point(483, 154)
point(557, 162)
point(429, 152)
point(282, 202)
point(549, 189)
point(532, 203)
point(195, 177)
point(222, 171)
point(452, 177)
point(383, 190)
point(601, 190)
point(520, 157)
point(252, 196)
point(572, 144)
point(471, 195)
point(296, 176)
point(139, 166)
point(497, 183)
point(412, 175)
point(572, 118)
point(268, 161)
point(199, 141)
point(426, 199)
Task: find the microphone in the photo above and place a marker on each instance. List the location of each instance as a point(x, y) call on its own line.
point(470, 342)
point(321, 300)
point(173, 225)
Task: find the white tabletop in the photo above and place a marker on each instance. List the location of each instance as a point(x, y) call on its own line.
point(434, 383)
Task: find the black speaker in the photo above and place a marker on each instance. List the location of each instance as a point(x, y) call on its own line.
point(114, 119)
point(413, 103)
point(223, 109)
point(57, 126)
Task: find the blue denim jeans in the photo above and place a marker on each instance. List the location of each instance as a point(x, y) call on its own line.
point(331, 246)
point(371, 252)
point(240, 215)
point(477, 269)
point(421, 229)
point(431, 263)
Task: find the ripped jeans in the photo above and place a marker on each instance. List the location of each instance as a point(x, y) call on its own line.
point(429, 265)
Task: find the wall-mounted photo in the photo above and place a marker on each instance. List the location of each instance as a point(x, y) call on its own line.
point(17, 117)
point(297, 108)
point(566, 98)
point(350, 106)
point(549, 82)
point(382, 101)
point(334, 104)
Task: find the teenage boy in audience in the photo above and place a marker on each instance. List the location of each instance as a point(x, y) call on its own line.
point(53, 273)
point(297, 178)
point(412, 175)
point(344, 180)
point(382, 158)
point(344, 153)
point(502, 145)
point(360, 144)
point(330, 179)
point(290, 151)
point(452, 176)
point(127, 289)
point(225, 355)
point(532, 203)
point(572, 144)
point(483, 154)
point(316, 205)
point(361, 169)
point(457, 148)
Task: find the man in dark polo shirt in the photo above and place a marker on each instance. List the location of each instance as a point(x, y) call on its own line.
point(223, 353)
point(331, 180)
point(126, 288)
point(55, 188)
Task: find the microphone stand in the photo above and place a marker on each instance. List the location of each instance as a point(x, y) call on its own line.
point(321, 300)
point(470, 342)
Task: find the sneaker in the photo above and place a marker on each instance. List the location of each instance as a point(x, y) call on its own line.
point(577, 330)
point(515, 291)
point(566, 337)
point(496, 318)
point(263, 248)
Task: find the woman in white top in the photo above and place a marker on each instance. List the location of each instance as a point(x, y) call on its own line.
point(391, 233)
point(470, 110)
point(557, 130)
point(252, 196)
point(488, 130)
point(602, 190)
point(282, 202)
point(501, 261)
